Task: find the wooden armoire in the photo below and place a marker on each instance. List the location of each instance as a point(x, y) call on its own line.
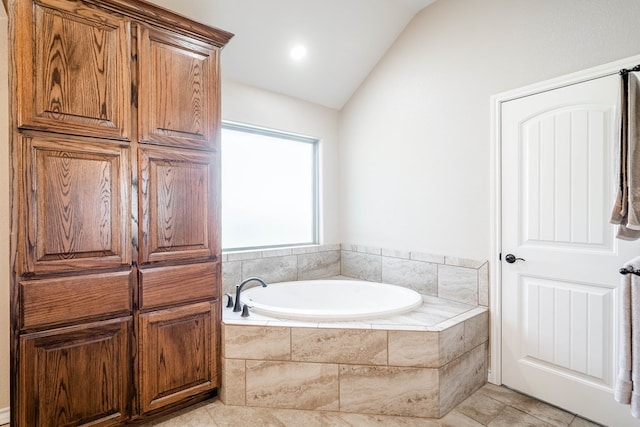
point(115, 216)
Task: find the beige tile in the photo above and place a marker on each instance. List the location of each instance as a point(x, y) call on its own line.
point(458, 284)
point(480, 407)
point(256, 342)
point(451, 343)
point(230, 416)
point(232, 390)
point(195, 416)
point(329, 247)
point(318, 265)
point(420, 276)
point(389, 390)
point(483, 285)
point(362, 420)
point(504, 394)
point(460, 378)
point(581, 422)
point(511, 417)
point(271, 253)
point(293, 385)
point(361, 266)
point(458, 419)
point(549, 414)
point(306, 250)
point(411, 348)
point(476, 331)
point(423, 256)
point(236, 416)
point(292, 417)
point(356, 346)
point(272, 270)
point(394, 253)
point(231, 276)
point(241, 256)
point(464, 262)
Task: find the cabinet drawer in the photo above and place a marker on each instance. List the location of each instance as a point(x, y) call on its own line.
point(163, 286)
point(63, 300)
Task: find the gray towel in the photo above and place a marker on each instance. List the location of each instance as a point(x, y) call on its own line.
point(626, 210)
point(627, 387)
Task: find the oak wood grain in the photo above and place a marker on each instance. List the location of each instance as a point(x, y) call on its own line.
point(76, 376)
point(176, 351)
point(196, 282)
point(64, 300)
point(79, 56)
point(115, 161)
point(177, 189)
point(75, 205)
point(178, 99)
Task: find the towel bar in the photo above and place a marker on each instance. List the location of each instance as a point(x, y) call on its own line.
point(630, 70)
point(625, 270)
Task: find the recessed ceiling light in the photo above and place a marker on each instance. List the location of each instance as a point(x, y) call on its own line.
point(298, 52)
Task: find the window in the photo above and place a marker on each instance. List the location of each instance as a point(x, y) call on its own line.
point(269, 188)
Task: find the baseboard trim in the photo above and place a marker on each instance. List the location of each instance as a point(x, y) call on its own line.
point(4, 416)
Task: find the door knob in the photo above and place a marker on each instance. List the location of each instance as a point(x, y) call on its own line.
point(511, 258)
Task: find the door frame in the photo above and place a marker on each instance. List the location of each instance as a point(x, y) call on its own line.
point(495, 282)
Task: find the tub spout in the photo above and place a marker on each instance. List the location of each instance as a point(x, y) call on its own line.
point(238, 306)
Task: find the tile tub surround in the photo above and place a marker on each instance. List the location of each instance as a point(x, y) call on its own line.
point(280, 265)
point(456, 279)
point(420, 364)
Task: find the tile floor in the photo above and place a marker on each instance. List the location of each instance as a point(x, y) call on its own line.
point(491, 406)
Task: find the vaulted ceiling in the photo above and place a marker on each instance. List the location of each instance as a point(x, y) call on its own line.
point(344, 39)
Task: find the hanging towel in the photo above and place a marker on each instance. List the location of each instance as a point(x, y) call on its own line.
point(626, 209)
point(627, 387)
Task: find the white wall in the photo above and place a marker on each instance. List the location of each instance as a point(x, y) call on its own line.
point(414, 139)
point(245, 104)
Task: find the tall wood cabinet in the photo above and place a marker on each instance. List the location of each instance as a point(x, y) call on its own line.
point(115, 230)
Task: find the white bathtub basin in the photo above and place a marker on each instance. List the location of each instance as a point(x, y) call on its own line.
point(327, 300)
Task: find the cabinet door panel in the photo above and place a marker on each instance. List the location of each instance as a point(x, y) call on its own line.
point(76, 207)
point(178, 96)
point(178, 349)
point(76, 376)
point(79, 56)
point(177, 205)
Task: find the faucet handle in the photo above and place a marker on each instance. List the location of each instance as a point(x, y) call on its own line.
point(229, 301)
point(245, 311)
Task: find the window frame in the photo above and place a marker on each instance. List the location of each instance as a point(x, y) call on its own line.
point(315, 192)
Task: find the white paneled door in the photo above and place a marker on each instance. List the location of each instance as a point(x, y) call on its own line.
point(560, 301)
